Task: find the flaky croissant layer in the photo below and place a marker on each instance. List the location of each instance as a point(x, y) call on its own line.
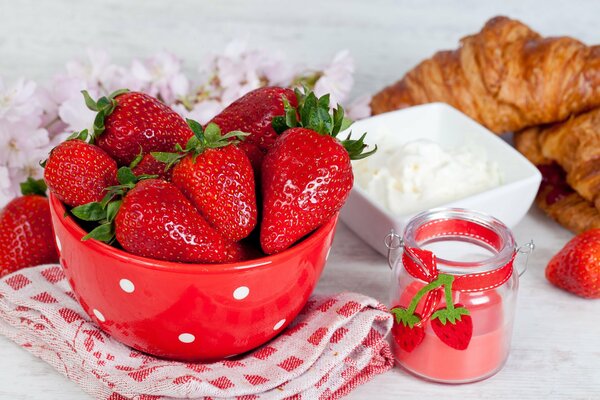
point(507, 77)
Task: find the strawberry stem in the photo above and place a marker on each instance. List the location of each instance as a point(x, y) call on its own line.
point(441, 280)
point(104, 106)
point(316, 113)
point(204, 138)
point(448, 294)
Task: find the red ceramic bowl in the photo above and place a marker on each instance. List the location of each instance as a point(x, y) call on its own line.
point(192, 312)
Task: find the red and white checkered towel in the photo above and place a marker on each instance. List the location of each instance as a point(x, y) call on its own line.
point(335, 344)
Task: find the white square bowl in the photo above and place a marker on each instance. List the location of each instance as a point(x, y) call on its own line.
point(450, 128)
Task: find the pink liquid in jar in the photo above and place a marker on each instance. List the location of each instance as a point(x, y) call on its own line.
point(487, 351)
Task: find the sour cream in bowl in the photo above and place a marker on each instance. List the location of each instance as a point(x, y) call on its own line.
point(434, 156)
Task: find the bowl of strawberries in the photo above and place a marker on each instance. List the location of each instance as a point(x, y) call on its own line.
point(195, 242)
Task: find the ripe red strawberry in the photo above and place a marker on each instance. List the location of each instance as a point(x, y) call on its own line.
point(307, 174)
point(149, 165)
point(78, 172)
point(453, 326)
point(26, 237)
point(576, 267)
point(130, 121)
point(407, 331)
point(157, 221)
point(218, 179)
point(253, 113)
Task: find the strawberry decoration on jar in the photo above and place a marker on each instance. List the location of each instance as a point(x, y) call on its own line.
point(453, 296)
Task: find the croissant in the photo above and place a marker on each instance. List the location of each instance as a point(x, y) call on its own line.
point(575, 146)
point(555, 197)
point(507, 77)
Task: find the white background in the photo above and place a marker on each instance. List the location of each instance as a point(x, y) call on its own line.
point(556, 348)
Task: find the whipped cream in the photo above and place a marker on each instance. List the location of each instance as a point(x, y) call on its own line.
point(421, 174)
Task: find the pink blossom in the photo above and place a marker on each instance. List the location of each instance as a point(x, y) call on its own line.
point(19, 104)
point(337, 78)
point(18, 143)
point(359, 108)
point(98, 72)
point(202, 112)
point(160, 76)
point(6, 191)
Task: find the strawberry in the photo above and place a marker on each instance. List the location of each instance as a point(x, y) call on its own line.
point(407, 330)
point(156, 220)
point(453, 325)
point(253, 113)
point(127, 121)
point(26, 237)
point(307, 174)
point(576, 267)
point(148, 165)
point(218, 179)
point(78, 172)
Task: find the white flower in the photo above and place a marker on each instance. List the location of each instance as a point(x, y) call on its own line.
point(65, 93)
point(202, 112)
point(360, 108)
point(31, 168)
point(337, 78)
point(160, 76)
point(6, 191)
point(97, 72)
point(75, 114)
point(18, 142)
point(18, 103)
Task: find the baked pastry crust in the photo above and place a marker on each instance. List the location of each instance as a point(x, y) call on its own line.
point(507, 77)
point(556, 198)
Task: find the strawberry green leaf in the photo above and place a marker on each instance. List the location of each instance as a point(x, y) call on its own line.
point(196, 127)
point(33, 186)
point(89, 102)
point(291, 116)
point(338, 120)
point(137, 159)
point(126, 176)
point(238, 135)
point(212, 133)
point(83, 135)
point(117, 92)
point(104, 107)
point(103, 233)
point(112, 209)
point(405, 317)
point(355, 148)
point(90, 212)
point(346, 123)
point(278, 124)
point(167, 158)
point(43, 163)
point(450, 315)
point(323, 101)
point(103, 103)
point(194, 143)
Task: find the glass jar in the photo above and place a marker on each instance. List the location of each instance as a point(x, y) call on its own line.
point(453, 294)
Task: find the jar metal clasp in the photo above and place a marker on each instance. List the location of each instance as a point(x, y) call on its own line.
point(393, 242)
point(525, 249)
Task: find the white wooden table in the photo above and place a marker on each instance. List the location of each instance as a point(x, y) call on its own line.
point(556, 345)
